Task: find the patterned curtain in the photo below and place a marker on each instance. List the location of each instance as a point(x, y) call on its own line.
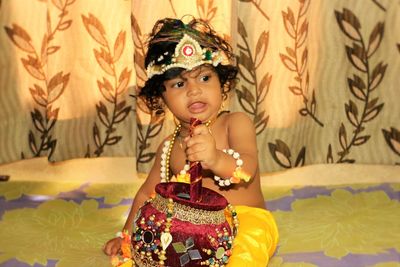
point(65, 79)
point(318, 78)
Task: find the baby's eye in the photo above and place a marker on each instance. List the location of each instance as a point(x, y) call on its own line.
point(179, 84)
point(205, 78)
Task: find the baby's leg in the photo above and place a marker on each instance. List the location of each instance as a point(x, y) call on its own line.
point(256, 240)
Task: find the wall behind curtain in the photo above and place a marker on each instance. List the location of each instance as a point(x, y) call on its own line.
point(318, 78)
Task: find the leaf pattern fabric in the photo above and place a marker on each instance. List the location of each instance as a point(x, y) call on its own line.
point(66, 86)
point(318, 78)
point(66, 224)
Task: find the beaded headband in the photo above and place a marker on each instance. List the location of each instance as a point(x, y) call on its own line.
point(188, 55)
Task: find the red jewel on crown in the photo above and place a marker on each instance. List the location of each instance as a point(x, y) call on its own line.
point(188, 50)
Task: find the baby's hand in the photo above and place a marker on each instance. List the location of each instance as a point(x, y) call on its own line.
point(113, 246)
point(201, 147)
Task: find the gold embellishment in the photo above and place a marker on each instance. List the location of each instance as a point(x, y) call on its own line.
point(186, 213)
point(188, 55)
point(145, 250)
point(142, 261)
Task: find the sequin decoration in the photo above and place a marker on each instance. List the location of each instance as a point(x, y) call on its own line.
point(147, 236)
point(188, 50)
point(189, 254)
point(222, 249)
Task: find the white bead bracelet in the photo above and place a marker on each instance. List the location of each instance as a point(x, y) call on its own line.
point(238, 174)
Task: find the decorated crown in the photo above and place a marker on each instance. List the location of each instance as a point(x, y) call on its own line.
point(188, 55)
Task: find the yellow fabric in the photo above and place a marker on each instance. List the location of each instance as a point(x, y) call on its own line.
point(257, 238)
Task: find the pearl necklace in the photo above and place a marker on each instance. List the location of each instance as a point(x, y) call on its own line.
point(166, 155)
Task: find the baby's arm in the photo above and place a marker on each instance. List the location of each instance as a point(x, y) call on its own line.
point(241, 138)
point(146, 190)
point(113, 246)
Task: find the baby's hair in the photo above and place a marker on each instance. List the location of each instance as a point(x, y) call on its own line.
point(163, 39)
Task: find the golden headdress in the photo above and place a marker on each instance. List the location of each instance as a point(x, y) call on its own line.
point(188, 55)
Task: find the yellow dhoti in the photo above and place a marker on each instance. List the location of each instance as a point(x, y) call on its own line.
point(256, 240)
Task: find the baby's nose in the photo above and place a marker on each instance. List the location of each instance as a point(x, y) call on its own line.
point(193, 89)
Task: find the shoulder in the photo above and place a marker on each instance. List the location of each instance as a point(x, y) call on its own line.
point(239, 126)
point(163, 144)
point(236, 119)
point(241, 133)
point(161, 149)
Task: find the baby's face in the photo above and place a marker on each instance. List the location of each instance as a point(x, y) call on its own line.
point(195, 93)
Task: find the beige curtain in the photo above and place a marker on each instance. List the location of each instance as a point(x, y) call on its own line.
point(318, 78)
point(65, 79)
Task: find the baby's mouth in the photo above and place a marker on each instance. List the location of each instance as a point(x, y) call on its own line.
point(197, 107)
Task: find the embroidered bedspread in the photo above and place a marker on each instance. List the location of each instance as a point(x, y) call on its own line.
point(66, 224)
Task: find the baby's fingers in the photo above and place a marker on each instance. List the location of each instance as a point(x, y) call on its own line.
point(201, 130)
point(194, 151)
point(112, 247)
point(115, 250)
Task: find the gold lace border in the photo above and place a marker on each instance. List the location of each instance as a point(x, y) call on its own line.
point(189, 214)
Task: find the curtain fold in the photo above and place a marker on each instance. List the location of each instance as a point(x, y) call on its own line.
point(318, 78)
point(66, 76)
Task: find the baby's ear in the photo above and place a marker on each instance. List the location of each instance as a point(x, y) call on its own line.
point(159, 111)
point(161, 105)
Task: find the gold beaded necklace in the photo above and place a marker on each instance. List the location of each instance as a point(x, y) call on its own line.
point(171, 145)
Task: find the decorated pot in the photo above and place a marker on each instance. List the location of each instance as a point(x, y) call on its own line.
point(171, 230)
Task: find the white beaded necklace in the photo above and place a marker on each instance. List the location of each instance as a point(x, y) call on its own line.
point(166, 154)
